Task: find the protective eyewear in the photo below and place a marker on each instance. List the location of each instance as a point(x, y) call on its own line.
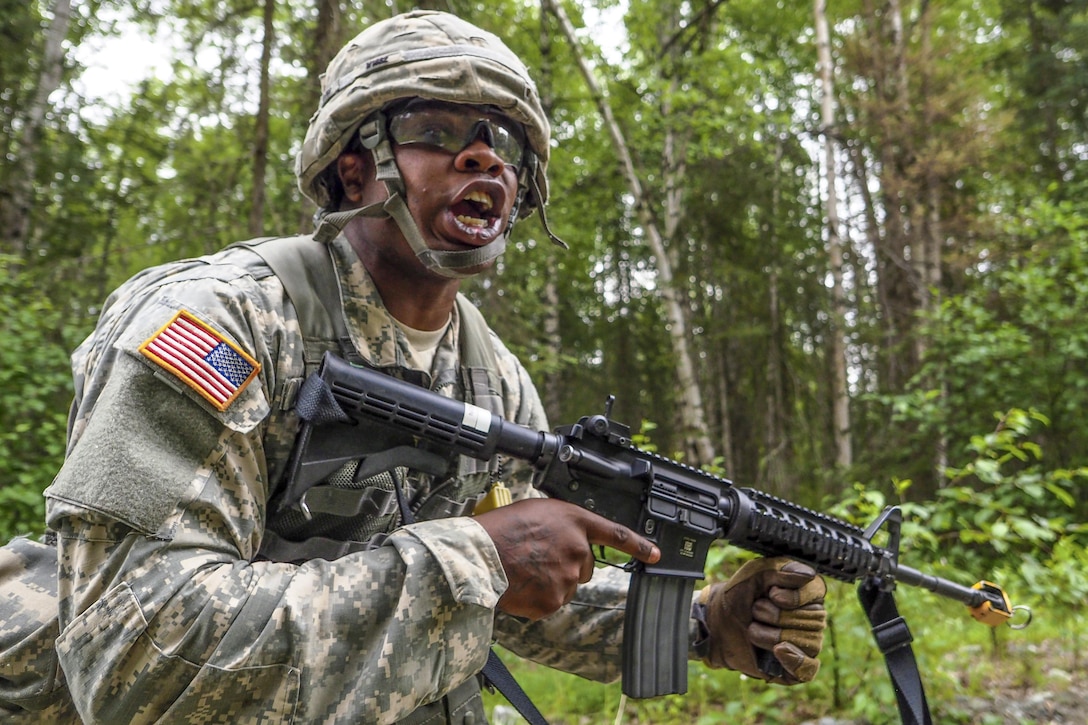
point(454, 127)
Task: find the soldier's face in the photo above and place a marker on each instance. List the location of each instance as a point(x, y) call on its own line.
point(459, 199)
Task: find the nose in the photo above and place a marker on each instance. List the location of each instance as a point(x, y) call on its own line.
point(479, 156)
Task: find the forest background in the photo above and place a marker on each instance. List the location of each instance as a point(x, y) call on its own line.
point(833, 251)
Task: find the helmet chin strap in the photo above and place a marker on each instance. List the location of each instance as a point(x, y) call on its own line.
point(451, 264)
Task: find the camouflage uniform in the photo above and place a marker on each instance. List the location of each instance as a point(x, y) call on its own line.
point(31, 683)
point(167, 611)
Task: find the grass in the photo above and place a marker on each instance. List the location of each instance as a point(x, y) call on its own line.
point(959, 659)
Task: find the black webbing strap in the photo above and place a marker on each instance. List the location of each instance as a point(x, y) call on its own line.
point(893, 637)
point(499, 677)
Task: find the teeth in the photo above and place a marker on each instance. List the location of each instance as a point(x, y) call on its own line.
point(480, 198)
point(472, 221)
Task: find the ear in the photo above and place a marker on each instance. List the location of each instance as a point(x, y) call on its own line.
point(355, 173)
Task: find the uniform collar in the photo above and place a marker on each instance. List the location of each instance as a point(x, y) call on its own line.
point(375, 334)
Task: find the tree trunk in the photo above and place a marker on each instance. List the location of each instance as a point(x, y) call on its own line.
point(771, 475)
point(326, 42)
point(16, 200)
point(898, 276)
point(840, 394)
point(772, 469)
point(887, 111)
point(697, 441)
point(932, 243)
point(726, 437)
point(260, 136)
point(551, 392)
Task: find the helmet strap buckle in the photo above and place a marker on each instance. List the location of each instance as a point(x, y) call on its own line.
point(373, 130)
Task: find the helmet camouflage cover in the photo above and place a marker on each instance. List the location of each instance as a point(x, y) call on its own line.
point(423, 54)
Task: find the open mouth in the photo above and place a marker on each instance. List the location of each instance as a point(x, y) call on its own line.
point(475, 210)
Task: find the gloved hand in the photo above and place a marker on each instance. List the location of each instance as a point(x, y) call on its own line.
point(774, 604)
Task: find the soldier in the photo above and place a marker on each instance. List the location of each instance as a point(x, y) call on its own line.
point(192, 588)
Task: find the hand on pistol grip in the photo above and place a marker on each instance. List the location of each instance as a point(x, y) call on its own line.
point(766, 621)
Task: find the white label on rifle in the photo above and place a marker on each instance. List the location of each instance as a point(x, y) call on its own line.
point(476, 418)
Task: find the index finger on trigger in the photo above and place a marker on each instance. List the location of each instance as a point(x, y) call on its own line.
point(619, 537)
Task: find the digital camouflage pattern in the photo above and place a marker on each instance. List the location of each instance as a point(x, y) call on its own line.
point(31, 682)
point(166, 611)
point(170, 606)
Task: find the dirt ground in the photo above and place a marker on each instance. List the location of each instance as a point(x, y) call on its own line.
point(1055, 693)
point(1037, 684)
point(1068, 707)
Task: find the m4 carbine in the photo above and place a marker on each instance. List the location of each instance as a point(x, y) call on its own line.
point(593, 464)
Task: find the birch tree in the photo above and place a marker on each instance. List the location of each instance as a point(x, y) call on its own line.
point(839, 390)
point(551, 388)
point(693, 417)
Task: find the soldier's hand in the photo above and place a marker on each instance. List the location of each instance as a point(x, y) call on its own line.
point(545, 546)
point(772, 604)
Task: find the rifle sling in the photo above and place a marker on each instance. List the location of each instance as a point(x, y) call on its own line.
point(893, 638)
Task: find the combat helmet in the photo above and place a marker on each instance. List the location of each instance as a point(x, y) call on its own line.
point(434, 56)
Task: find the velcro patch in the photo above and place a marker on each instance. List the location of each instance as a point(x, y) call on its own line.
point(202, 358)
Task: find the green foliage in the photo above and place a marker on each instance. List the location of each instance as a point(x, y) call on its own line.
point(1015, 337)
point(1022, 508)
point(1001, 504)
point(958, 659)
point(1053, 116)
point(166, 172)
point(35, 388)
point(19, 23)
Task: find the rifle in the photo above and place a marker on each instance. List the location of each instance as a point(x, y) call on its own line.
point(593, 464)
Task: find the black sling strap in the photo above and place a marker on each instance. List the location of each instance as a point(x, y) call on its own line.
point(893, 638)
point(500, 678)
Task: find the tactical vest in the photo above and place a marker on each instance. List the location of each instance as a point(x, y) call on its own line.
point(349, 511)
point(346, 514)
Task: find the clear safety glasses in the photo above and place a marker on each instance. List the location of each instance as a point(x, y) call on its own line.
point(453, 127)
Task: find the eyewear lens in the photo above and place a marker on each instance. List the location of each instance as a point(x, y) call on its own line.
point(453, 130)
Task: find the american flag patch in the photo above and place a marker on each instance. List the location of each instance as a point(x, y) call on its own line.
point(202, 358)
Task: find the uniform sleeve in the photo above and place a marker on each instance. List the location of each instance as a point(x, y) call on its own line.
point(165, 613)
point(584, 637)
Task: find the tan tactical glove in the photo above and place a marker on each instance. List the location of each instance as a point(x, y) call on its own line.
point(772, 604)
